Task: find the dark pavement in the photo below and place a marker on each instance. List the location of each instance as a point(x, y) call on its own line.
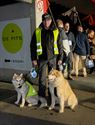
point(84, 114)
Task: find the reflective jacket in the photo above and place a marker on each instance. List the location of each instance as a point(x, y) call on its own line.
point(38, 38)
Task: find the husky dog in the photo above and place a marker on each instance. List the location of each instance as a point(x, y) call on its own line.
point(25, 91)
point(64, 92)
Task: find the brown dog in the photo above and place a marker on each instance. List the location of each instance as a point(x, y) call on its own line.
point(64, 92)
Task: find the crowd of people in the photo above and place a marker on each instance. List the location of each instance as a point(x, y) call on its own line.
point(57, 47)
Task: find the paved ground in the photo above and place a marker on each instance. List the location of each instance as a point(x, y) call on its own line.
point(87, 84)
point(11, 114)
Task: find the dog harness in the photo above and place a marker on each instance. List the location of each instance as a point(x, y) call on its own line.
point(32, 91)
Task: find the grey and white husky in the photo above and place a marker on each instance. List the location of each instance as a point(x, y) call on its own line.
point(26, 92)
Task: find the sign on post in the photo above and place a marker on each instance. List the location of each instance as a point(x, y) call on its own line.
point(15, 37)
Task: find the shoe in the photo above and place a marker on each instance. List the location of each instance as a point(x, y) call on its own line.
point(43, 105)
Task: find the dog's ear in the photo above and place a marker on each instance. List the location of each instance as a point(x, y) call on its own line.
point(57, 74)
point(21, 75)
point(51, 70)
point(14, 75)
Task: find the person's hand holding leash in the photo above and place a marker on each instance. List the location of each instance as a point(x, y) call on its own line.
point(59, 62)
point(34, 62)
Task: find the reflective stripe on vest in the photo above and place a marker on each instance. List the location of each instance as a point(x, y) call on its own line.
point(38, 38)
point(55, 32)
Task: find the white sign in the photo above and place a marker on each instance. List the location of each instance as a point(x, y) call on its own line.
point(39, 6)
point(15, 37)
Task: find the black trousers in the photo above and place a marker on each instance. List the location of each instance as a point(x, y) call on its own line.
point(44, 67)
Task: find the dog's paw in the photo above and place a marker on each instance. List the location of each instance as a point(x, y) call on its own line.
point(61, 111)
point(29, 105)
point(21, 105)
point(16, 102)
point(43, 105)
point(73, 108)
point(50, 108)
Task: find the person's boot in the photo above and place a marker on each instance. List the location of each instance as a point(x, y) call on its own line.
point(70, 77)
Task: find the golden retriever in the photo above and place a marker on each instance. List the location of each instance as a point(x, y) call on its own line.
point(65, 94)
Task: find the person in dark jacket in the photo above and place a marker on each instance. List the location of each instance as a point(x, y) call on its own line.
point(46, 45)
point(81, 51)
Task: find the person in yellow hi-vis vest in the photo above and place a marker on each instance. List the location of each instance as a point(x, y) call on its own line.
point(46, 46)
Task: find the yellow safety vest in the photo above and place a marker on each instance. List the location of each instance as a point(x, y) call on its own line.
point(31, 91)
point(38, 38)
